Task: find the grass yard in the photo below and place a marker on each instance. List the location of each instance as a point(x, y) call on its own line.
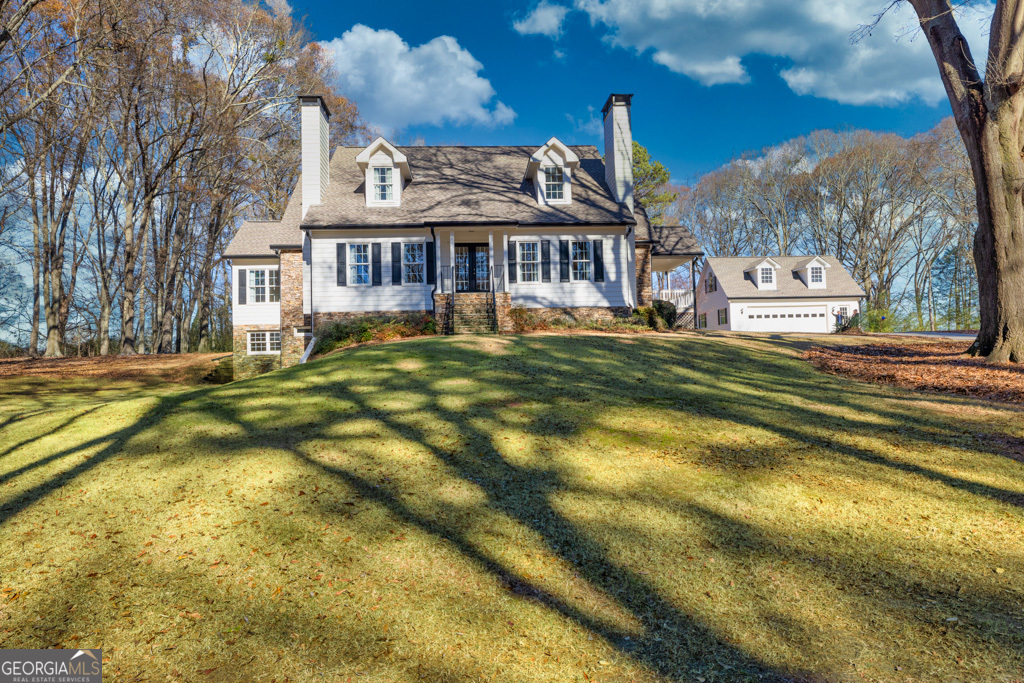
point(551, 508)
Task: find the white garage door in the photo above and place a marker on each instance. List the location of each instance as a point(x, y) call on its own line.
point(787, 319)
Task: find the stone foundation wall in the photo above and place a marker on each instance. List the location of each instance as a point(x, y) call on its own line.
point(246, 366)
point(325, 317)
point(644, 287)
point(583, 314)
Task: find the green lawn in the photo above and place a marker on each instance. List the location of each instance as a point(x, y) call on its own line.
point(552, 508)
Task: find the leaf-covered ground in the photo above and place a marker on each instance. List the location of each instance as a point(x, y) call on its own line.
point(658, 507)
point(940, 367)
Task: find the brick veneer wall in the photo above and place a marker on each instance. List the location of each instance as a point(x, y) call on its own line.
point(292, 346)
point(246, 366)
point(644, 288)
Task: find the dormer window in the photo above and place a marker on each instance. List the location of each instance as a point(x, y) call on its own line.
point(767, 275)
point(383, 187)
point(554, 183)
point(817, 275)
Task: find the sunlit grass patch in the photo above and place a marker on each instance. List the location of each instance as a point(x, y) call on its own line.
point(520, 508)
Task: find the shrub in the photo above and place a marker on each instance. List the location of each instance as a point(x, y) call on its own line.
point(646, 315)
point(523, 320)
point(342, 333)
point(666, 311)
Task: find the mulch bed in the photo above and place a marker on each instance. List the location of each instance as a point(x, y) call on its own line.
point(939, 367)
point(172, 367)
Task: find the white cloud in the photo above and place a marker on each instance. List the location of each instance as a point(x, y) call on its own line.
point(396, 86)
point(591, 126)
point(707, 41)
point(545, 19)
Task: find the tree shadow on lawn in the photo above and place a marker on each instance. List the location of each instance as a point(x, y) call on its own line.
point(565, 376)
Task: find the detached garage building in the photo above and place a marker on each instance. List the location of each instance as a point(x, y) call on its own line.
point(775, 294)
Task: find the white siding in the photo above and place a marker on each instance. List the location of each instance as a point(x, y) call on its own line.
point(250, 313)
point(710, 303)
point(327, 296)
point(614, 291)
point(791, 315)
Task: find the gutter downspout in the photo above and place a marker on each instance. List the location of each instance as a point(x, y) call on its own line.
point(437, 274)
point(632, 301)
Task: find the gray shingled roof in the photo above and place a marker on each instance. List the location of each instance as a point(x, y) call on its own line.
point(466, 185)
point(457, 185)
point(673, 240)
point(738, 285)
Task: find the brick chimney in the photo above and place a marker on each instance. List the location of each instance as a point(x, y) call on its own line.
point(618, 148)
point(316, 154)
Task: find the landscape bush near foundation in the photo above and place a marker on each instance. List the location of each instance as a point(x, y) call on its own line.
point(524, 320)
point(343, 333)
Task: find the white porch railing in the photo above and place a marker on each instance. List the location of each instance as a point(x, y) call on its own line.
point(681, 298)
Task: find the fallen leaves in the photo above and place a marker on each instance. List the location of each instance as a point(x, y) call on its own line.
point(940, 367)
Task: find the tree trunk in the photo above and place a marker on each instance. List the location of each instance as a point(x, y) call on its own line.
point(988, 113)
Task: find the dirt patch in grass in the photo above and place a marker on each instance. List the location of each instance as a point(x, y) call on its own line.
point(182, 368)
point(940, 367)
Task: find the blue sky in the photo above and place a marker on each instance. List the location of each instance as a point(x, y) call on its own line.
point(711, 79)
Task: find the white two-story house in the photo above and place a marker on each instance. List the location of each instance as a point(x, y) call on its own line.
point(385, 230)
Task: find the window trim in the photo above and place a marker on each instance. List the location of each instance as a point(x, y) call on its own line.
point(589, 261)
point(350, 264)
point(250, 288)
point(558, 186)
point(702, 321)
point(422, 263)
point(762, 272)
point(723, 316)
point(390, 184)
point(266, 341)
point(820, 272)
point(520, 262)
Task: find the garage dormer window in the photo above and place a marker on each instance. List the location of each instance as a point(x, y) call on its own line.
point(383, 187)
point(554, 183)
point(817, 275)
point(767, 275)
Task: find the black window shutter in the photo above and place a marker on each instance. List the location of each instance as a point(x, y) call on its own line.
point(598, 260)
point(545, 259)
point(396, 263)
point(431, 266)
point(341, 264)
point(512, 261)
point(375, 259)
point(563, 260)
point(242, 289)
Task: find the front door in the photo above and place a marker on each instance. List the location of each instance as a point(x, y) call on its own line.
point(471, 271)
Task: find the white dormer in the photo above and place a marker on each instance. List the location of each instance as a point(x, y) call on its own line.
point(385, 173)
point(551, 169)
point(812, 272)
point(765, 274)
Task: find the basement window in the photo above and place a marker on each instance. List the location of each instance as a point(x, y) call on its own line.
point(264, 342)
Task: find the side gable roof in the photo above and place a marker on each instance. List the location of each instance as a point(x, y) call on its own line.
point(734, 281)
point(467, 185)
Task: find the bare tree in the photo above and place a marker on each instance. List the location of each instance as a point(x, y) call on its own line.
point(989, 113)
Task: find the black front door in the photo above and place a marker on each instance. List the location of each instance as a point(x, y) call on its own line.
point(471, 272)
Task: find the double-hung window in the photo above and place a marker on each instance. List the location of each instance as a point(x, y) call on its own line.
point(817, 274)
point(579, 255)
point(264, 342)
point(414, 263)
point(264, 286)
point(723, 316)
point(359, 264)
point(383, 190)
point(529, 262)
point(554, 183)
point(702, 321)
point(767, 275)
point(711, 285)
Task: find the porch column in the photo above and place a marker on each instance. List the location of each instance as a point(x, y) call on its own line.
point(693, 284)
point(490, 254)
point(451, 257)
point(504, 260)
